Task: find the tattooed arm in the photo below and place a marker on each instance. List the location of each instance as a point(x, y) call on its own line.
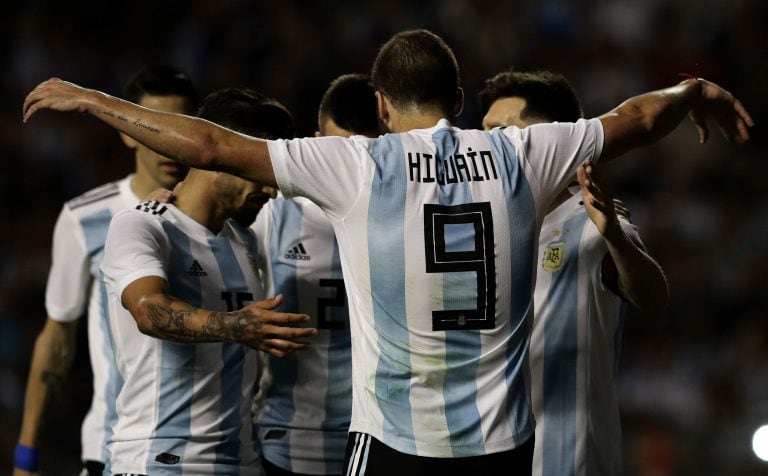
point(160, 315)
point(192, 141)
point(51, 359)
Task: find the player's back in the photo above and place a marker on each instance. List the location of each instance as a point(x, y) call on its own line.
point(437, 231)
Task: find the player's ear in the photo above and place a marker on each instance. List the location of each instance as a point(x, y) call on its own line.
point(381, 106)
point(128, 141)
point(459, 106)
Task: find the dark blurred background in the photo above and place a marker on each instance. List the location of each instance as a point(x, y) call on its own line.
point(693, 382)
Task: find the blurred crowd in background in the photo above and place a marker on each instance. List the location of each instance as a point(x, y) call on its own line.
point(693, 382)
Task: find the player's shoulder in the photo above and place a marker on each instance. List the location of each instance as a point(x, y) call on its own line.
point(104, 196)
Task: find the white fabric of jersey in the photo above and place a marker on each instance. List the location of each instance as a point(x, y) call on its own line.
point(438, 231)
point(575, 348)
point(74, 281)
point(184, 408)
point(308, 402)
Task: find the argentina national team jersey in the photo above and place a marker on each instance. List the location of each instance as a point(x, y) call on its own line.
point(308, 399)
point(184, 408)
point(437, 231)
point(74, 282)
point(575, 347)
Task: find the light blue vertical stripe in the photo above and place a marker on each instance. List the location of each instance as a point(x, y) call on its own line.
point(462, 347)
point(285, 233)
point(233, 360)
point(95, 228)
point(521, 214)
point(338, 397)
point(386, 249)
point(560, 358)
point(176, 373)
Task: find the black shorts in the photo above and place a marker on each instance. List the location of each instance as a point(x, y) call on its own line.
point(271, 469)
point(366, 456)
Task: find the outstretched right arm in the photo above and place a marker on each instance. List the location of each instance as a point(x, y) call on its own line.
point(195, 142)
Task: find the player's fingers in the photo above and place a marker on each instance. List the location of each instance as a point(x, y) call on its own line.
point(270, 331)
point(743, 113)
point(701, 126)
point(281, 318)
point(268, 304)
point(282, 348)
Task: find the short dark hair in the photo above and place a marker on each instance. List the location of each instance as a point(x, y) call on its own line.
point(548, 96)
point(249, 112)
point(162, 80)
point(417, 68)
point(350, 102)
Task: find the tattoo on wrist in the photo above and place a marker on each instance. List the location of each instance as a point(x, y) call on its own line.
point(136, 122)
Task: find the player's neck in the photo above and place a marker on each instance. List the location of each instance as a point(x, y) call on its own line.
point(404, 122)
point(196, 199)
point(142, 186)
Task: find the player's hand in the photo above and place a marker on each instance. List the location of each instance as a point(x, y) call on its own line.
point(274, 332)
point(599, 206)
point(729, 114)
point(621, 209)
point(56, 95)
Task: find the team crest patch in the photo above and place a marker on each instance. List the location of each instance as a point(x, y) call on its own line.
point(554, 256)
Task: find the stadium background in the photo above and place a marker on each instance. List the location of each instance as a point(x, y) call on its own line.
point(693, 382)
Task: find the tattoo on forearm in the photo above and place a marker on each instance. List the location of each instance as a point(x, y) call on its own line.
point(171, 324)
point(136, 122)
point(53, 382)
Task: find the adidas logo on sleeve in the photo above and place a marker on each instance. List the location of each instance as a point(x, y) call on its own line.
point(298, 253)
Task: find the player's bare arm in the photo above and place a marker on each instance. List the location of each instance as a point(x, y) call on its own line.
point(51, 360)
point(257, 325)
point(641, 280)
point(646, 118)
point(192, 141)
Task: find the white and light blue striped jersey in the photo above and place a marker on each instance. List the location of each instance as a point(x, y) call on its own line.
point(574, 348)
point(303, 425)
point(184, 408)
point(74, 281)
point(438, 231)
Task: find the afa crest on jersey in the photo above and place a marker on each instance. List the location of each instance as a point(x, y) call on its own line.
point(554, 256)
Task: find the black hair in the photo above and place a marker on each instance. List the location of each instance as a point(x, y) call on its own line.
point(548, 96)
point(249, 112)
point(351, 103)
point(416, 68)
point(162, 80)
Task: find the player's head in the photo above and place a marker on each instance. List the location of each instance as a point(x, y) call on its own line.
point(348, 108)
point(417, 73)
point(249, 112)
point(164, 88)
point(515, 98)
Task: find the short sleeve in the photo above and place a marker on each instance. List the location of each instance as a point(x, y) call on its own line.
point(329, 171)
point(69, 278)
point(136, 247)
point(553, 151)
